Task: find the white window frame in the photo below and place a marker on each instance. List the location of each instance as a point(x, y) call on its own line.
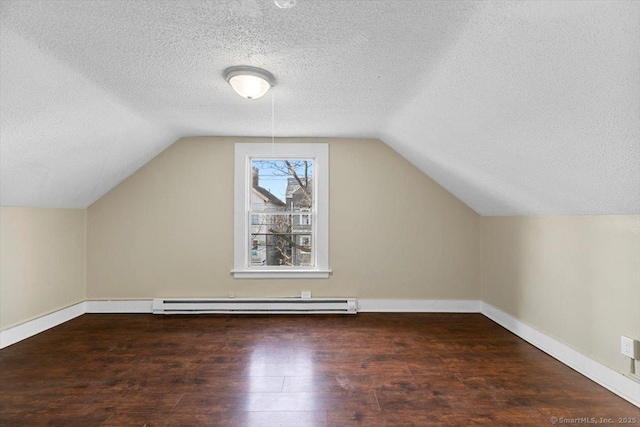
point(244, 153)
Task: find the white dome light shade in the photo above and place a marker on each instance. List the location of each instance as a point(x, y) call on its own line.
point(250, 87)
point(249, 82)
point(285, 4)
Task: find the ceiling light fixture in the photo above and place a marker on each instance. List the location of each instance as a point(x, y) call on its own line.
point(249, 82)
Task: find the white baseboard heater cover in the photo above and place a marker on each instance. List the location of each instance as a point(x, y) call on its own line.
point(255, 305)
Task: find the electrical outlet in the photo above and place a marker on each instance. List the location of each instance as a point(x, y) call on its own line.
point(305, 294)
point(629, 347)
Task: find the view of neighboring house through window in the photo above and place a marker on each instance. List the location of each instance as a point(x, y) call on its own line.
point(281, 212)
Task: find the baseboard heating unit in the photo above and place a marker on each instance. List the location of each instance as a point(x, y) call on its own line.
point(255, 306)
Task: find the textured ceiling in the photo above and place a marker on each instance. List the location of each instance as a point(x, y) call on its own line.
point(514, 107)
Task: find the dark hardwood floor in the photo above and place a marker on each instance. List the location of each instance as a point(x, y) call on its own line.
point(320, 370)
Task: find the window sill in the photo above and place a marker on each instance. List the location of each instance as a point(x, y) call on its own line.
point(281, 274)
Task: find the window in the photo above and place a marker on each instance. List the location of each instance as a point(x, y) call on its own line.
point(305, 241)
point(281, 211)
point(305, 219)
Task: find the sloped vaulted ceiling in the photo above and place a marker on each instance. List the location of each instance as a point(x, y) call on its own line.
point(514, 107)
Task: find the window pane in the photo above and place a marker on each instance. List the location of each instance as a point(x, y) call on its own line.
point(283, 184)
point(280, 239)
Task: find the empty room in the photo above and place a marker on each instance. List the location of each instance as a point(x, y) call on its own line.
point(261, 213)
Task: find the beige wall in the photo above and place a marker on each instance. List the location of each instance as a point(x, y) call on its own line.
point(42, 262)
point(575, 278)
point(167, 231)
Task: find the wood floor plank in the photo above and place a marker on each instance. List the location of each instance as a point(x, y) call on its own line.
point(369, 369)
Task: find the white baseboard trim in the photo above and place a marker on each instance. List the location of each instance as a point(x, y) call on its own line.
point(606, 377)
point(418, 306)
point(33, 327)
point(119, 306)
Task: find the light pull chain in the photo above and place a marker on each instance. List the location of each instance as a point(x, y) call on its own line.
point(273, 126)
